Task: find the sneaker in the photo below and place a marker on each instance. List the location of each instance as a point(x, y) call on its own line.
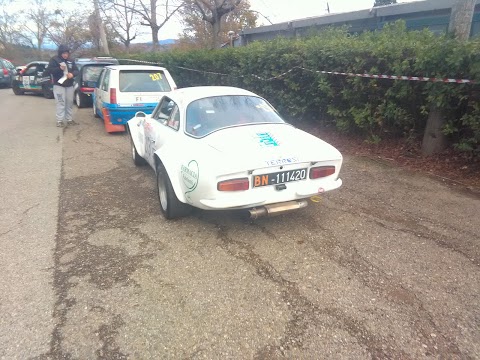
point(60, 124)
point(71, 122)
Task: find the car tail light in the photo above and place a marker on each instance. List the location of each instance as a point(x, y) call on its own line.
point(106, 115)
point(5, 72)
point(113, 96)
point(321, 171)
point(89, 89)
point(233, 185)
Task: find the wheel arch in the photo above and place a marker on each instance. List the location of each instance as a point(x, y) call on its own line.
point(140, 149)
point(159, 158)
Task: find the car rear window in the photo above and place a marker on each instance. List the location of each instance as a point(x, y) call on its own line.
point(91, 73)
point(143, 81)
point(213, 113)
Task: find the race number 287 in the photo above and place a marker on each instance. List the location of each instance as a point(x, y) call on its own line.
point(156, 76)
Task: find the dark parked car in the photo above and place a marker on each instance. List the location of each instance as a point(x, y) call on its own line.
point(7, 73)
point(87, 78)
point(32, 79)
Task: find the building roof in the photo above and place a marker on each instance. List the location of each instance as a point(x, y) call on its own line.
point(380, 11)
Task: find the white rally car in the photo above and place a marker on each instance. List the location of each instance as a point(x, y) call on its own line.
point(218, 148)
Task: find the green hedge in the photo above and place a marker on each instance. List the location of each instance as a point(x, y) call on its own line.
point(284, 72)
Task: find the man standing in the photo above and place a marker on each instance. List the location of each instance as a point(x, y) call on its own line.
point(63, 70)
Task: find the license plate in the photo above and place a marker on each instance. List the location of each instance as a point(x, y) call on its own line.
point(279, 177)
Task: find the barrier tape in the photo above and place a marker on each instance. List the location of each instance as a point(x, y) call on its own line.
point(365, 75)
point(399, 77)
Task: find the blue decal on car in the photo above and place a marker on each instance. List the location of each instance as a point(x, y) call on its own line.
point(266, 139)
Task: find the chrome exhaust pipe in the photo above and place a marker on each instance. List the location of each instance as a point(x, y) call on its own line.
point(277, 209)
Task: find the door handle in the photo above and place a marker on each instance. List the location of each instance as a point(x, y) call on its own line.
point(152, 141)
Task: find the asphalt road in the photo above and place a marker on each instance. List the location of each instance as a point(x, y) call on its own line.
point(385, 267)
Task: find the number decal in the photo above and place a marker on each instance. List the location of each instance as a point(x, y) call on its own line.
point(155, 76)
point(288, 176)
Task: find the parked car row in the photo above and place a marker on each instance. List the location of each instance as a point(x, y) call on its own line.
point(211, 147)
point(31, 78)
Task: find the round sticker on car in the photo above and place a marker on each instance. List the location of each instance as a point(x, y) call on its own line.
point(190, 175)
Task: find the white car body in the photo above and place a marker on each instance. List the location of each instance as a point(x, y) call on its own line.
point(122, 90)
point(253, 152)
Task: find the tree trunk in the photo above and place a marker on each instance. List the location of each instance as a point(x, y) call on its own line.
point(461, 19)
point(215, 34)
point(155, 30)
point(101, 29)
point(434, 141)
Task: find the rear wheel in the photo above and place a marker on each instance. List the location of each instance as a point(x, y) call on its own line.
point(80, 99)
point(170, 206)
point(47, 92)
point(17, 90)
point(137, 159)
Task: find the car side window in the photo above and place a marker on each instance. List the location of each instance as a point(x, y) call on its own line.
point(100, 79)
point(30, 71)
point(166, 113)
point(40, 69)
point(174, 119)
point(106, 79)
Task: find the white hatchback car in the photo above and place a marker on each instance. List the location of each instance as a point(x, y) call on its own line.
point(226, 148)
point(122, 90)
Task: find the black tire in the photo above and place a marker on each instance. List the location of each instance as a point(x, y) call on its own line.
point(137, 159)
point(170, 206)
point(17, 90)
point(47, 92)
point(80, 99)
point(95, 114)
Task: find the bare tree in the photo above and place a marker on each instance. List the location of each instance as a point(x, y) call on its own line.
point(122, 21)
point(149, 12)
point(37, 19)
point(70, 29)
point(212, 12)
point(434, 140)
point(9, 33)
point(199, 33)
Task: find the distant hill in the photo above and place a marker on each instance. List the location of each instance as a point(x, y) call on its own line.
point(161, 42)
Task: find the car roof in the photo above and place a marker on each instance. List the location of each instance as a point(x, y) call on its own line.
point(98, 58)
point(189, 94)
point(85, 63)
point(37, 62)
point(135, 67)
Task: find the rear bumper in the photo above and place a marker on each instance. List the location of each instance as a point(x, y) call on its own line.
point(247, 201)
point(119, 115)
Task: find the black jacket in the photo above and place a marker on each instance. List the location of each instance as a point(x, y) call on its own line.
point(54, 69)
